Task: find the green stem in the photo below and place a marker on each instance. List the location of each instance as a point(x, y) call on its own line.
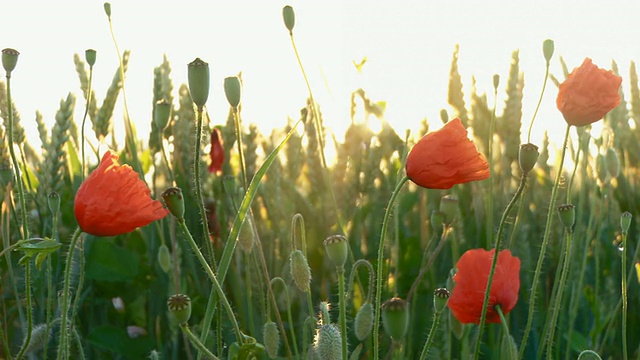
point(379, 266)
point(63, 343)
point(543, 249)
point(490, 194)
point(214, 280)
point(544, 85)
point(343, 310)
point(196, 342)
point(558, 300)
point(243, 167)
point(84, 118)
point(198, 189)
point(27, 284)
point(624, 295)
point(494, 261)
point(291, 327)
point(434, 327)
point(16, 167)
point(166, 161)
point(445, 233)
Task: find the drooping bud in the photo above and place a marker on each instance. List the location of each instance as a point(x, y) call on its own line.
point(328, 342)
point(449, 207)
point(363, 323)
point(107, 9)
point(164, 258)
point(271, 338)
point(53, 200)
point(198, 74)
point(625, 222)
point(39, 337)
point(567, 213)
point(547, 49)
point(289, 17)
point(90, 57)
point(527, 157)
point(175, 202)
point(395, 318)
point(440, 299)
point(337, 249)
point(613, 162)
point(162, 114)
point(300, 271)
point(233, 91)
point(179, 308)
point(9, 60)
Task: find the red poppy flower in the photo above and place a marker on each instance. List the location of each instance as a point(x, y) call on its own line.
point(471, 280)
point(216, 153)
point(588, 94)
point(113, 200)
point(446, 157)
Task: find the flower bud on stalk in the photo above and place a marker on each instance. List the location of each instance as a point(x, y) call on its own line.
point(179, 308)
point(300, 271)
point(395, 318)
point(527, 157)
point(289, 17)
point(363, 322)
point(337, 249)
point(9, 60)
point(175, 202)
point(271, 337)
point(198, 74)
point(90, 57)
point(567, 213)
point(547, 49)
point(162, 114)
point(625, 222)
point(233, 91)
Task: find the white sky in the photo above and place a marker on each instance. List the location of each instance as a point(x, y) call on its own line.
point(408, 44)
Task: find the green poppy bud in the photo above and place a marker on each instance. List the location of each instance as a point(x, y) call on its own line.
point(449, 207)
point(547, 49)
point(440, 299)
point(337, 249)
point(90, 57)
point(271, 338)
point(289, 17)
point(527, 157)
point(107, 9)
point(179, 308)
point(162, 114)
point(438, 219)
point(233, 91)
point(300, 271)
point(39, 337)
point(625, 222)
point(444, 116)
point(601, 168)
point(53, 200)
point(328, 342)
point(395, 318)
point(198, 74)
point(9, 60)
point(613, 162)
point(164, 258)
point(496, 81)
point(175, 202)
point(363, 323)
point(567, 213)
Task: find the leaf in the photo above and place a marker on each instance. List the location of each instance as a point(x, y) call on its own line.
point(116, 340)
point(106, 261)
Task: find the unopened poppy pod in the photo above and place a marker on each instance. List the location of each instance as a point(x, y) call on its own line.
point(445, 158)
point(113, 200)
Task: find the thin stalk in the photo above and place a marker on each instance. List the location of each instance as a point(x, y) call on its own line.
point(84, 118)
point(292, 329)
point(343, 310)
point(544, 85)
point(166, 161)
point(624, 295)
point(490, 158)
point(556, 304)
point(494, 262)
point(379, 265)
point(503, 321)
point(445, 232)
point(196, 342)
point(198, 190)
point(243, 167)
point(434, 327)
point(545, 243)
point(63, 343)
point(214, 280)
point(76, 337)
point(27, 281)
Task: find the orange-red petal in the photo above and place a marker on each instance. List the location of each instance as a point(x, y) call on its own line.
point(113, 200)
point(445, 158)
point(471, 279)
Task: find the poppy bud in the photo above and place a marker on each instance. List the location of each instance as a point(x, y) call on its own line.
point(9, 60)
point(179, 308)
point(444, 116)
point(547, 49)
point(449, 207)
point(437, 220)
point(300, 271)
point(175, 202)
point(271, 338)
point(53, 200)
point(527, 157)
point(625, 222)
point(90, 57)
point(612, 162)
point(39, 337)
point(601, 168)
point(363, 322)
point(440, 298)
point(395, 318)
point(162, 114)
point(337, 249)
point(198, 74)
point(567, 213)
point(289, 18)
point(496, 81)
point(107, 9)
point(164, 258)
point(328, 342)
point(233, 91)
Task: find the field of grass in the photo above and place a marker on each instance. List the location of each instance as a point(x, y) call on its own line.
point(269, 249)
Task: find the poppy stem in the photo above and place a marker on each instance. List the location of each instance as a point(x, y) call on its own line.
point(196, 342)
point(545, 243)
point(63, 342)
point(379, 265)
point(243, 167)
point(27, 339)
point(624, 294)
point(343, 310)
point(494, 261)
point(84, 119)
point(434, 327)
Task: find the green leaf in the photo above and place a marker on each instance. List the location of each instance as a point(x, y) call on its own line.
point(106, 261)
point(117, 340)
point(40, 248)
point(72, 160)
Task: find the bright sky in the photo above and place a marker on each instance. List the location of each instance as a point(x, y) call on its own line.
point(409, 45)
